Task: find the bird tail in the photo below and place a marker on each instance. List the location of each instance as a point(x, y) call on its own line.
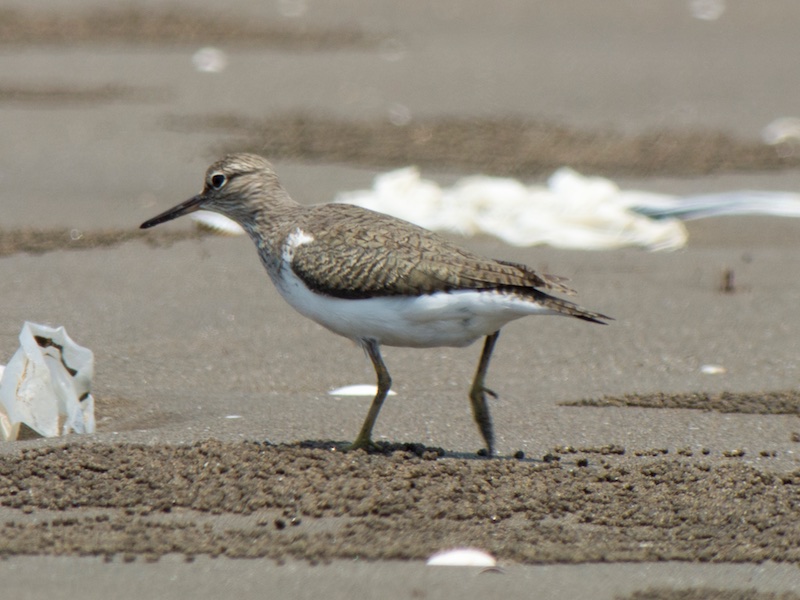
point(570, 309)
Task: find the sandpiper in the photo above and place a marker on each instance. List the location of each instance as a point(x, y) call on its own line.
point(376, 279)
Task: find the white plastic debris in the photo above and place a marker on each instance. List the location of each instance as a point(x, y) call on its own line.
point(740, 202)
point(572, 211)
point(783, 129)
point(216, 223)
point(46, 385)
point(359, 389)
point(462, 557)
point(713, 369)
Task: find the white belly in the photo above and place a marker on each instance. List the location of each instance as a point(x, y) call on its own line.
point(442, 319)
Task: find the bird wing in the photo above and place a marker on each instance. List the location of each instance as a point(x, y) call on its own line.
point(357, 253)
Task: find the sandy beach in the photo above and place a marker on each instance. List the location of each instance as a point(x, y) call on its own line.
point(626, 468)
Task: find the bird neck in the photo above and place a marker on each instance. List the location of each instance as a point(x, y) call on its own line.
point(269, 221)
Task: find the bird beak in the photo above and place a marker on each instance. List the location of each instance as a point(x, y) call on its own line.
point(184, 208)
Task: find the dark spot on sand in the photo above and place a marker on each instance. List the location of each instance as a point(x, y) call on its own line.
point(762, 403)
point(507, 146)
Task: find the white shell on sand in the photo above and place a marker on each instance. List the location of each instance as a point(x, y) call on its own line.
point(359, 389)
point(209, 60)
point(462, 557)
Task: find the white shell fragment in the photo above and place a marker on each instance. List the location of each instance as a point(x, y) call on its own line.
point(713, 369)
point(462, 557)
point(46, 385)
point(361, 389)
point(209, 60)
point(707, 10)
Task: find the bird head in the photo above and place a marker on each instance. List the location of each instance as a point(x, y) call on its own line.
point(236, 186)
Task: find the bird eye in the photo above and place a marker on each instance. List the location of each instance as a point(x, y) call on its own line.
point(218, 180)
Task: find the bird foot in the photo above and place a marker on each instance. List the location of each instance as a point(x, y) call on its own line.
point(367, 445)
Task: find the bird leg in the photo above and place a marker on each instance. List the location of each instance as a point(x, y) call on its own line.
point(364, 439)
point(477, 394)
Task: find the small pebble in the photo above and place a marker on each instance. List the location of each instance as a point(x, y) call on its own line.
point(733, 453)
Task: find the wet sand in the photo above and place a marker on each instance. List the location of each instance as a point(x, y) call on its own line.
point(312, 502)
point(636, 474)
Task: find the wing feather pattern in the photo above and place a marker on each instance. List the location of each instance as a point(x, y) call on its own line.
point(357, 253)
